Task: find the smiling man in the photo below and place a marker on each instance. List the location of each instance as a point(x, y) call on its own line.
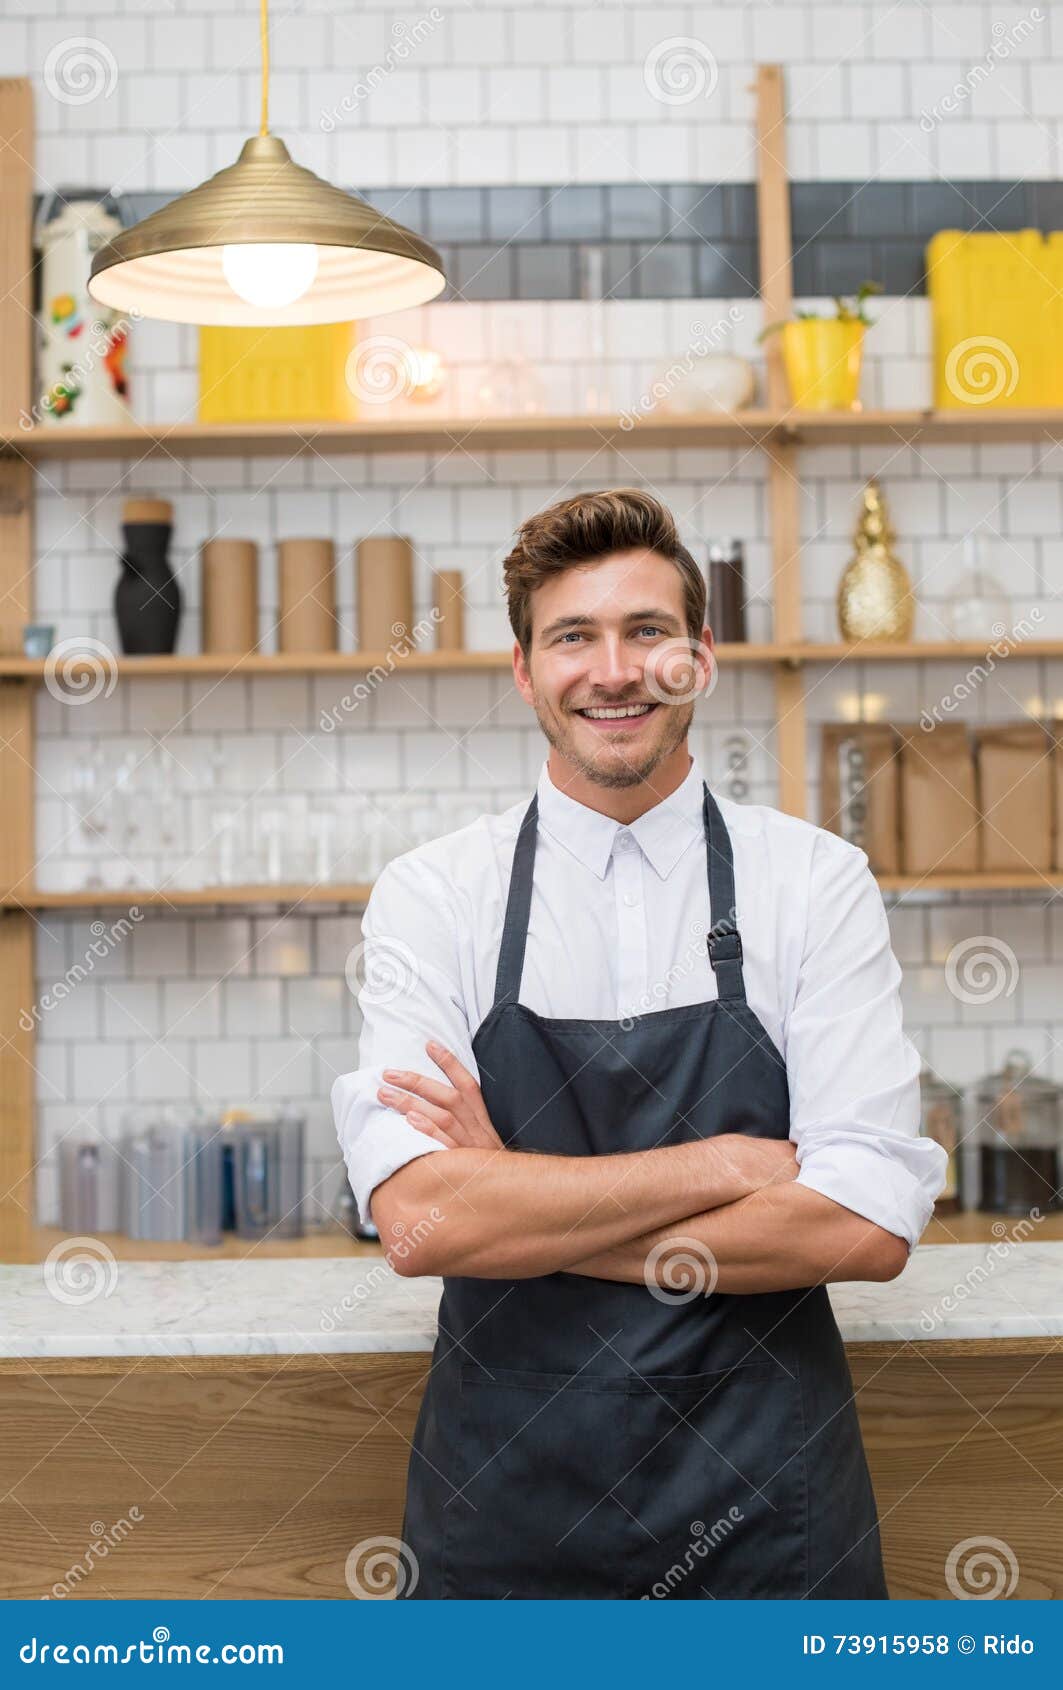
point(645, 1094)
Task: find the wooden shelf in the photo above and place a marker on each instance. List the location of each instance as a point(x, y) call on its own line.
point(464, 662)
point(915, 650)
point(378, 434)
point(329, 662)
point(754, 427)
point(1026, 881)
point(357, 894)
point(184, 897)
point(972, 427)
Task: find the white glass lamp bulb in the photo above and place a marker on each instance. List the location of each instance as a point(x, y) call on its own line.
point(270, 274)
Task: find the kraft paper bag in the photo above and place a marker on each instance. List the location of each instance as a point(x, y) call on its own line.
point(1014, 797)
point(859, 789)
point(939, 814)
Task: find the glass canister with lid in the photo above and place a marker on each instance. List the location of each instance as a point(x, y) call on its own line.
point(1018, 1139)
point(942, 1120)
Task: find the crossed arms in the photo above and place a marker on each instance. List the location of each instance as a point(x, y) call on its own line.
point(730, 1204)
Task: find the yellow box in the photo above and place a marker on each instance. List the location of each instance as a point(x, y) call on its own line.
point(276, 375)
point(996, 306)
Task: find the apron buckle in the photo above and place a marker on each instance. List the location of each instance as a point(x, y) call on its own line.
point(725, 947)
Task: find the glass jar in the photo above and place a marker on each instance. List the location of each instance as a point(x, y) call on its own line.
point(942, 1120)
point(269, 1185)
point(171, 1175)
point(89, 1181)
point(1018, 1139)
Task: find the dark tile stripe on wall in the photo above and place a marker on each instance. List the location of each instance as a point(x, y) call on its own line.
point(689, 240)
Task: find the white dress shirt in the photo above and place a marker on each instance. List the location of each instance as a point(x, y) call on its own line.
point(617, 927)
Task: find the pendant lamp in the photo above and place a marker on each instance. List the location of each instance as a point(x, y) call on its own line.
point(265, 243)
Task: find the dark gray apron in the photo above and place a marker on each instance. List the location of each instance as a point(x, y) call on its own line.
point(587, 1438)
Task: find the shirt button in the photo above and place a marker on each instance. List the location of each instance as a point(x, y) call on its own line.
point(629, 899)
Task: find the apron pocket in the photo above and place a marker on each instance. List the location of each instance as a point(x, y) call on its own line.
point(719, 1485)
point(538, 1455)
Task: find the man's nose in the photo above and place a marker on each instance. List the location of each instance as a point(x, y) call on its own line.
point(615, 665)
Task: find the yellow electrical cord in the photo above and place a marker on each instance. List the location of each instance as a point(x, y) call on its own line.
point(264, 33)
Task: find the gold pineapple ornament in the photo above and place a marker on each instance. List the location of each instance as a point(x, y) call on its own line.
point(875, 592)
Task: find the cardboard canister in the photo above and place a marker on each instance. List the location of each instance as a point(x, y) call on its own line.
point(384, 564)
point(449, 605)
point(229, 597)
point(306, 586)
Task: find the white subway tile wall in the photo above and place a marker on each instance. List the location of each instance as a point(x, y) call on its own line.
point(223, 1008)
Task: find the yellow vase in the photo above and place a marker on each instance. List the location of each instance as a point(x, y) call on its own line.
point(822, 358)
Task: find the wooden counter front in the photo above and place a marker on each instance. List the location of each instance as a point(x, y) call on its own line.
point(255, 1476)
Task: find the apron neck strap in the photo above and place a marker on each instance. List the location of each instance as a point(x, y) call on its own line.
point(518, 908)
point(723, 941)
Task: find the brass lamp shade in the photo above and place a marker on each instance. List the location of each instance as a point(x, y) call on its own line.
point(170, 265)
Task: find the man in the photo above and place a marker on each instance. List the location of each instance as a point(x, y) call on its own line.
point(668, 1098)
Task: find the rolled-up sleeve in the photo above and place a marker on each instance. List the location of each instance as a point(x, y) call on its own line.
point(853, 1073)
point(409, 993)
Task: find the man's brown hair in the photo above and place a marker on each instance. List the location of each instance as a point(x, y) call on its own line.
point(587, 527)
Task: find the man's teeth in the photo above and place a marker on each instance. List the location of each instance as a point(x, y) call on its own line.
point(607, 715)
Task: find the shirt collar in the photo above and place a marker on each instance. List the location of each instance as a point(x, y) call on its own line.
point(663, 832)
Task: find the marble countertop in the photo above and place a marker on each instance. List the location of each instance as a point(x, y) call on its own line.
point(345, 1306)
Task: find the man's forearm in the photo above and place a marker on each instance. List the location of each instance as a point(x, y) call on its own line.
point(511, 1214)
point(780, 1238)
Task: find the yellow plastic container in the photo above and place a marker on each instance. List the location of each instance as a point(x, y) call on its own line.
point(996, 311)
point(276, 375)
point(822, 358)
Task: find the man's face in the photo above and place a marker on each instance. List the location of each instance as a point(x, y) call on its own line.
point(614, 633)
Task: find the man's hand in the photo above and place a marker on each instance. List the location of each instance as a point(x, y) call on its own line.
point(455, 1114)
point(753, 1163)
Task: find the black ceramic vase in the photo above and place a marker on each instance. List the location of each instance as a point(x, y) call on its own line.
point(147, 597)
